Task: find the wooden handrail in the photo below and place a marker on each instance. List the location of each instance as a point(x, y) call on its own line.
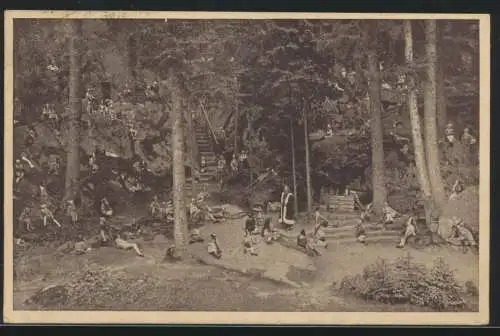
point(208, 123)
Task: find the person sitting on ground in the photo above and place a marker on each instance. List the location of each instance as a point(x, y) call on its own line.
point(249, 246)
point(461, 235)
point(72, 212)
point(449, 133)
point(213, 247)
point(410, 230)
point(123, 244)
point(456, 189)
point(25, 219)
point(195, 237)
point(266, 229)
point(20, 171)
point(48, 215)
point(329, 131)
point(468, 138)
point(360, 232)
point(389, 214)
point(302, 239)
point(106, 209)
point(24, 157)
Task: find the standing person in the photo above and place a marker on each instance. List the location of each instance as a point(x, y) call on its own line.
point(72, 212)
point(203, 164)
point(319, 233)
point(234, 165)
point(221, 166)
point(213, 247)
point(286, 208)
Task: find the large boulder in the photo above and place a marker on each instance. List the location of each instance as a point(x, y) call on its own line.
point(464, 206)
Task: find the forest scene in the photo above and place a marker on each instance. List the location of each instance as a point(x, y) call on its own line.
point(246, 165)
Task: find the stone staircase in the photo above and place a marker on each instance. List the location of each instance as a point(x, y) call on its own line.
point(207, 181)
point(339, 210)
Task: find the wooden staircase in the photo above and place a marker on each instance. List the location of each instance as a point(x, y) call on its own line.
point(207, 181)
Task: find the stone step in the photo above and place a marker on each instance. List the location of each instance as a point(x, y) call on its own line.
point(340, 215)
point(368, 228)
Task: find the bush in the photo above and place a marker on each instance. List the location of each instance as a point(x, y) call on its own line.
point(405, 282)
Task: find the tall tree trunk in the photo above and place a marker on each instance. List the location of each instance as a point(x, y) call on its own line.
point(416, 131)
point(440, 92)
point(236, 123)
point(75, 101)
point(378, 166)
point(308, 163)
point(132, 50)
point(193, 147)
point(178, 171)
point(294, 169)
point(430, 120)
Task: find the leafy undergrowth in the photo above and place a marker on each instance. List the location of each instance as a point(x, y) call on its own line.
point(404, 281)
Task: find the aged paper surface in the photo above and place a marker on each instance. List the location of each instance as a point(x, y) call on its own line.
point(20, 287)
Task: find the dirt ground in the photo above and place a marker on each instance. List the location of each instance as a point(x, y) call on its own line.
point(121, 280)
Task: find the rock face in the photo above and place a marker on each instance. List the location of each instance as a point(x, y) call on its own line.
point(466, 207)
point(50, 296)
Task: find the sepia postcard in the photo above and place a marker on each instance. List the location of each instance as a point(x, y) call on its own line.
point(246, 168)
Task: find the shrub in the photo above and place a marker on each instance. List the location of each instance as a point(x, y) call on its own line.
point(404, 281)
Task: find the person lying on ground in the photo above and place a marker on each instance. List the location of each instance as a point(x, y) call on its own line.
point(360, 232)
point(213, 247)
point(48, 215)
point(24, 157)
point(195, 237)
point(409, 230)
point(81, 246)
point(110, 234)
point(461, 235)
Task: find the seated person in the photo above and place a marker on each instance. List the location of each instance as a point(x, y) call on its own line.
point(20, 172)
point(410, 230)
point(25, 219)
point(106, 209)
point(109, 234)
point(195, 237)
point(48, 215)
point(360, 233)
point(461, 235)
point(249, 247)
point(213, 247)
point(302, 239)
point(389, 214)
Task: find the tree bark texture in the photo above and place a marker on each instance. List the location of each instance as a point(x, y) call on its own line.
point(430, 120)
point(75, 110)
